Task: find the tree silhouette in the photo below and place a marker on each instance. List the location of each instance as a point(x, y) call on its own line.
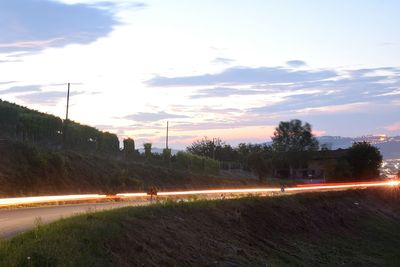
point(294, 136)
point(364, 160)
point(129, 148)
point(293, 141)
point(147, 150)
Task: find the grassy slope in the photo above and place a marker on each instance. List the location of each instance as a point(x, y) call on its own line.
point(350, 228)
point(26, 171)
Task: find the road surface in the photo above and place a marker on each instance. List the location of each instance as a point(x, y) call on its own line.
point(14, 221)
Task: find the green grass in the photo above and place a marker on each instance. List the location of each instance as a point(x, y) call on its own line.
point(291, 230)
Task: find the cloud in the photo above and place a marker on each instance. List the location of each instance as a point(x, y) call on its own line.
point(9, 60)
point(296, 63)
point(7, 82)
point(393, 127)
point(355, 86)
point(245, 75)
point(233, 123)
point(313, 95)
point(225, 92)
point(334, 108)
point(150, 117)
point(349, 95)
point(46, 98)
point(223, 60)
point(20, 89)
point(35, 25)
point(319, 132)
point(220, 110)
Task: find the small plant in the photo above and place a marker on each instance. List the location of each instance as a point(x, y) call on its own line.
point(38, 222)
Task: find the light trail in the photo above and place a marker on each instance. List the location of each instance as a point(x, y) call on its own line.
point(394, 182)
point(132, 195)
point(46, 199)
point(219, 191)
point(306, 187)
point(325, 186)
point(342, 185)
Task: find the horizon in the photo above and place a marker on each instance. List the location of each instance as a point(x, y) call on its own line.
point(230, 70)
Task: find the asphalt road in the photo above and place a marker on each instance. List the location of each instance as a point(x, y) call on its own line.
point(15, 221)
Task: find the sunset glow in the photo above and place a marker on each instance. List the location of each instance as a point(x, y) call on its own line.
point(135, 65)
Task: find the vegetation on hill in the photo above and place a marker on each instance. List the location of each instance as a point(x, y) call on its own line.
point(41, 153)
point(21, 124)
point(294, 153)
point(50, 155)
point(346, 228)
point(28, 170)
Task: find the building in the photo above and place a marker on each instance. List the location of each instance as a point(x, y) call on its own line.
point(318, 165)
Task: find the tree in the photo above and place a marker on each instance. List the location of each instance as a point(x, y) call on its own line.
point(147, 150)
point(364, 160)
point(293, 141)
point(204, 147)
point(215, 149)
point(259, 164)
point(245, 153)
point(129, 147)
point(294, 136)
point(167, 154)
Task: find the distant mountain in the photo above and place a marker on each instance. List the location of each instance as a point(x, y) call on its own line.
point(390, 150)
point(388, 145)
point(335, 142)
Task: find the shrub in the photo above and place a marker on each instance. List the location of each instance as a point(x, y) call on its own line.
point(196, 163)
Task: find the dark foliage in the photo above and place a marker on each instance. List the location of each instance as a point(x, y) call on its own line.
point(364, 160)
point(293, 136)
point(21, 124)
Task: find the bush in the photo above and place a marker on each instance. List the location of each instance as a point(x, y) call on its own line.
point(196, 163)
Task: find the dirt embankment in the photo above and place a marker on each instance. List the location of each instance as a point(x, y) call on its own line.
point(347, 228)
point(26, 170)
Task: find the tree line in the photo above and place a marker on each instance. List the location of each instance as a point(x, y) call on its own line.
point(293, 147)
point(182, 160)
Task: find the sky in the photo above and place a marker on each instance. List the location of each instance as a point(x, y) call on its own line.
point(231, 69)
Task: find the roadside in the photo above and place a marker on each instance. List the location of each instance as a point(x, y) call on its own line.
point(352, 227)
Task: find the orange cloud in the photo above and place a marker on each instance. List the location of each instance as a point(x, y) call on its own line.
point(318, 133)
point(393, 127)
point(243, 134)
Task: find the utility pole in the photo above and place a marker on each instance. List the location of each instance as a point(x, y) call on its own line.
point(66, 116)
point(213, 146)
point(66, 120)
point(166, 139)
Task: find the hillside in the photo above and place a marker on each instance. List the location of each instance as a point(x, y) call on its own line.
point(21, 124)
point(389, 147)
point(347, 228)
point(27, 170)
